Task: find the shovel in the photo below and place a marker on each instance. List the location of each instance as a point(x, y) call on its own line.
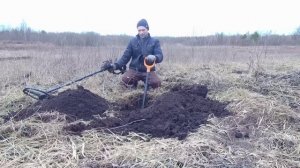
point(146, 82)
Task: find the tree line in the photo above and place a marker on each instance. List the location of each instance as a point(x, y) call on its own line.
point(23, 33)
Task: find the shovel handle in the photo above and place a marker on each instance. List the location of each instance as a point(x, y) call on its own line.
point(148, 66)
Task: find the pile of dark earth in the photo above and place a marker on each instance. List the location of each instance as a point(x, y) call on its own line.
point(171, 115)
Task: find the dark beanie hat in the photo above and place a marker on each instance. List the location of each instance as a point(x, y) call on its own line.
point(143, 22)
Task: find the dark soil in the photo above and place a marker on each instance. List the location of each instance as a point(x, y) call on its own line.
point(75, 104)
point(173, 114)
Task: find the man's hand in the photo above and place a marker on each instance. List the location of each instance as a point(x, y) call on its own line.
point(112, 68)
point(109, 66)
point(150, 59)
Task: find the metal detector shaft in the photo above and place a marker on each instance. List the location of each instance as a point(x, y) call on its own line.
point(74, 81)
point(40, 94)
point(79, 79)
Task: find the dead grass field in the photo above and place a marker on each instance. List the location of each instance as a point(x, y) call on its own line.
point(260, 83)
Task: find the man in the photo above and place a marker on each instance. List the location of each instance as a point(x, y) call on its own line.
point(141, 47)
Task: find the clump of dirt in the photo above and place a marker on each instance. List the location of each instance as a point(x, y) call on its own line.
point(173, 114)
point(76, 104)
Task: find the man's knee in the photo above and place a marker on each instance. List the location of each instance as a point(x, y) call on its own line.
point(130, 78)
point(129, 81)
point(154, 81)
point(155, 84)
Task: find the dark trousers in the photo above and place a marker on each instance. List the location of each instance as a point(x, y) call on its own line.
point(131, 78)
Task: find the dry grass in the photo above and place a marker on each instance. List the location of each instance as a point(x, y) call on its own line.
point(256, 81)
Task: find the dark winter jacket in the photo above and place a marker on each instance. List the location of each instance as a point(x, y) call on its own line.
point(139, 48)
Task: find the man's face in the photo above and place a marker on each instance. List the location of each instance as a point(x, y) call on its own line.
point(143, 32)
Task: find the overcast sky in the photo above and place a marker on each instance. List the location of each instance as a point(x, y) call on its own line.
point(165, 17)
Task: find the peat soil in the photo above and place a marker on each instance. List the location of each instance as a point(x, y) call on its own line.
point(171, 115)
point(75, 104)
